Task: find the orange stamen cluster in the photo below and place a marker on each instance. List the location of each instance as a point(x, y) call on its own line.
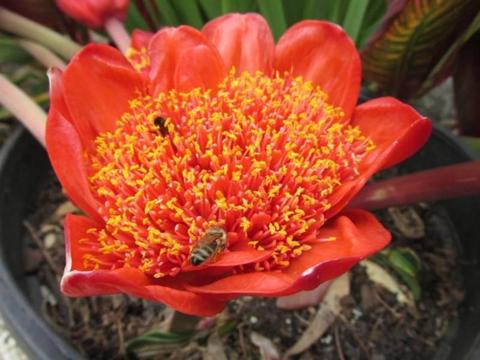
point(259, 156)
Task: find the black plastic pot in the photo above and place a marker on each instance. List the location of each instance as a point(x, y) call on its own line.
point(24, 165)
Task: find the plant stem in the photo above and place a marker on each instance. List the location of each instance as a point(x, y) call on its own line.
point(23, 108)
point(42, 54)
point(436, 184)
point(40, 99)
point(21, 26)
point(118, 33)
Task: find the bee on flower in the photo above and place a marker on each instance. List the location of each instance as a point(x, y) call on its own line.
point(214, 241)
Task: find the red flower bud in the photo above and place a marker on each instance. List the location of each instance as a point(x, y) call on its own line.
point(94, 13)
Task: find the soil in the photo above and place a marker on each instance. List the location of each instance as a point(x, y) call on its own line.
point(372, 323)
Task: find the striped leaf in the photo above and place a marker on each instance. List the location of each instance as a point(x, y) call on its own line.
point(413, 37)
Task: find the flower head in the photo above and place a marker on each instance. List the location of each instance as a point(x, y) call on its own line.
point(94, 13)
point(214, 164)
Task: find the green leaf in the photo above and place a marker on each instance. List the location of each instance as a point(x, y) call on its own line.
point(153, 342)
point(189, 12)
point(168, 15)
point(412, 284)
point(227, 328)
point(473, 143)
point(411, 39)
point(241, 6)
point(134, 18)
point(293, 10)
point(314, 9)
point(272, 10)
point(353, 20)
point(406, 264)
point(153, 12)
point(375, 11)
point(444, 66)
point(11, 52)
point(211, 8)
point(405, 260)
point(337, 10)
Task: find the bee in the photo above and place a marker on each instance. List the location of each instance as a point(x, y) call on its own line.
point(214, 241)
point(160, 123)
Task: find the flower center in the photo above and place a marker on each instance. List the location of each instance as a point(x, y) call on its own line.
point(258, 157)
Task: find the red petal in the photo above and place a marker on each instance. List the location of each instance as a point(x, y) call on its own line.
point(76, 228)
point(183, 58)
point(233, 258)
point(97, 85)
point(255, 283)
point(141, 39)
point(76, 282)
point(358, 234)
point(65, 150)
point(94, 13)
point(322, 52)
point(244, 41)
point(398, 132)
point(395, 128)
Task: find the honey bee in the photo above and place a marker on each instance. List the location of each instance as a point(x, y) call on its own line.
point(214, 241)
point(160, 123)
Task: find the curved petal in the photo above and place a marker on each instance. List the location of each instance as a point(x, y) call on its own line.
point(141, 39)
point(357, 233)
point(65, 150)
point(184, 59)
point(76, 282)
point(243, 40)
point(398, 132)
point(394, 127)
point(97, 85)
point(255, 283)
point(233, 258)
point(323, 53)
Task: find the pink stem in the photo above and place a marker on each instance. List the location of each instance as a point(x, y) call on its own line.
point(23, 108)
point(118, 33)
point(42, 54)
point(436, 184)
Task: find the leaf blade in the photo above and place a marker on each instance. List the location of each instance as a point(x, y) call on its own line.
point(412, 36)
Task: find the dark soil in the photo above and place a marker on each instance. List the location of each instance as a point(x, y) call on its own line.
point(371, 325)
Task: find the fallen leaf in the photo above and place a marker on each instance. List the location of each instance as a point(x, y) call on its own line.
point(49, 240)
point(268, 350)
point(303, 298)
point(408, 222)
point(214, 350)
point(382, 277)
point(325, 316)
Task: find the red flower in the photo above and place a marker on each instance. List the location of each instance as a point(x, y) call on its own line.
point(220, 128)
point(94, 13)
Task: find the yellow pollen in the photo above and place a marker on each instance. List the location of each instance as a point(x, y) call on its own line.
point(259, 156)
